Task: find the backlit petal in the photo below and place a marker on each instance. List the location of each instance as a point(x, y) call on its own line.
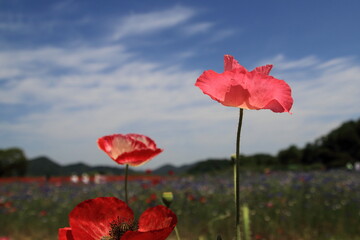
point(263, 69)
point(236, 87)
point(157, 218)
point(267, 92)
point(230, 63)
point(90, 220)
point(132, 149)
point(138, 157)
point(65, 234)
point(155, 223)
point(214, 84)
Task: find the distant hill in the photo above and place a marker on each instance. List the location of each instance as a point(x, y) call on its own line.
point(210, 166)
point(168, 167)
point(42, 166)
point(339, 147)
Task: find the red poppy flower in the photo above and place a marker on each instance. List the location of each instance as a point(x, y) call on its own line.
point(110, 218)
point(132, 149)
point(237, 87)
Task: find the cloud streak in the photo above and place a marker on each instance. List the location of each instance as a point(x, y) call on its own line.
point(145, 23)
point(86, 102)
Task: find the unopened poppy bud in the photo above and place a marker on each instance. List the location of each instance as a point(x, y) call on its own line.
point(167, 198)
point(233, 158)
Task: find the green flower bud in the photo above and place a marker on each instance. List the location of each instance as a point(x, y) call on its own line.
point(167, 198)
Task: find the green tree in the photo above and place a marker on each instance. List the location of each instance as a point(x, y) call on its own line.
point(12, 162)
point(292, 155)
point(340, 146)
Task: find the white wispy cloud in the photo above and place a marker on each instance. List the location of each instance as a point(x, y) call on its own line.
point(196, 28)
point(162, 102)
point(222, 34)
point(143, 23)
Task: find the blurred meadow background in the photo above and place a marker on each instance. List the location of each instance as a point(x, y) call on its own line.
point(73, 71)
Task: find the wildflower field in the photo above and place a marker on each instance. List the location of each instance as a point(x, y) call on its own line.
point(320, 205)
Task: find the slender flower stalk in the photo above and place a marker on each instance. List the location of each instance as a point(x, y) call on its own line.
point(246, 220)
point(237, 177)
point(129, 149)
point(126, 183)
point(177, 233)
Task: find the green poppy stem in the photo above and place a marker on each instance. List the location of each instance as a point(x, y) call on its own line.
point(237, 177)
point(126, 182)
point(177, 233)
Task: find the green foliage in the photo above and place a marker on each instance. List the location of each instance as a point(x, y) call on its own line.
point(337, 148)
point(210, 166)
point(291, 155)
point(12, 162)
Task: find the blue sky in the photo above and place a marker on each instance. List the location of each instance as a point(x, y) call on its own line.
point(73, 71)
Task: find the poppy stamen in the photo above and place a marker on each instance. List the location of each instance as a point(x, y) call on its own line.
point(120, 226)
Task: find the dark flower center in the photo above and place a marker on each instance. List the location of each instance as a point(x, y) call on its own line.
point(119, 227)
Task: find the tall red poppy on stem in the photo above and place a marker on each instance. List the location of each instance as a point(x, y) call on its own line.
point(132, 149)
point(108, 218)
point(237, 87)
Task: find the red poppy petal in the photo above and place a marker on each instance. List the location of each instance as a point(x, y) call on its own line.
point(230, 63)
point(133, 149)
point(148, 142)
point(263, 69)
point(155, 223)
point(117, 144)
point(157, 218)
point(65, 234)
point(90, 220)
point(214, 84)
point(267, 92)
point(153, 235)
point(138, 157)
point(236, 87)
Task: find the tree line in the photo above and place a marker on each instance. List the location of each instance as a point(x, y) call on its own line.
point(336, 149)
point(13, 162)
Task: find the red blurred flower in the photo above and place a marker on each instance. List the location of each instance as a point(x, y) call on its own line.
point(191, 197)
point(110, 218)
point(43, 213)
point(132, 149)
point(237, 87)
point(269, 204)
point(133, 199)
point(202, 199)
point(151, 198)
point(155, 181)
